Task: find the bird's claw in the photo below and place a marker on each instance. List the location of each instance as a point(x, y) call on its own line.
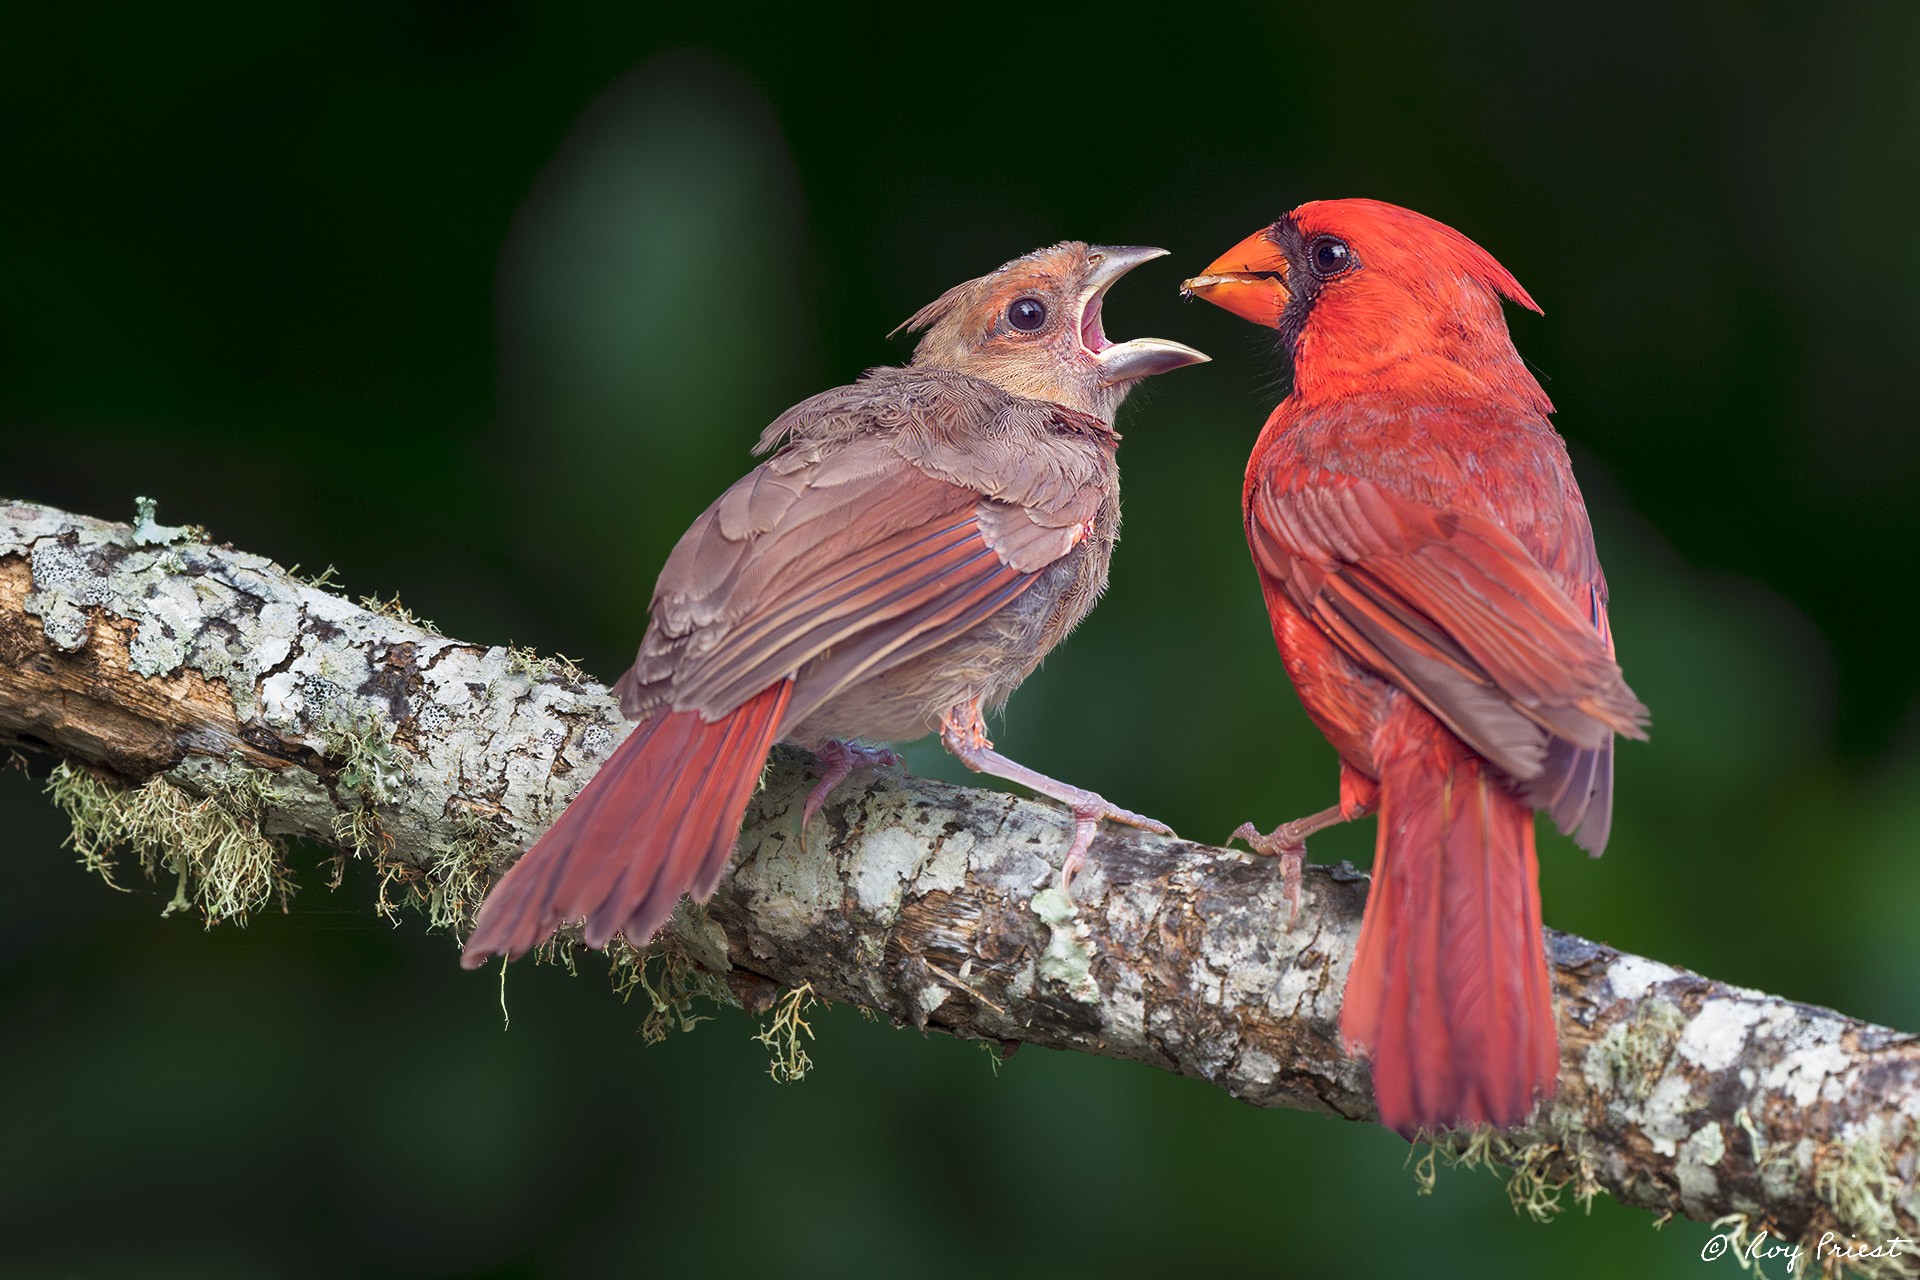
point(1084, 827)
point(1287, 838)
point(1144, 823)
point(1089, 810)
point(838, 759)
point(1287, 844)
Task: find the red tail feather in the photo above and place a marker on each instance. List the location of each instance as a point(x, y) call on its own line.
point(1449, 993)
point(658, 821)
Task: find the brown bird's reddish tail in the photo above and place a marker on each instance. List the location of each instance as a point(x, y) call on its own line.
point(1449, 993)
point(657, 821)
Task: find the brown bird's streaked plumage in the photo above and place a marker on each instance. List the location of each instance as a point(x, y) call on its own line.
point(912, 547)
point(1432, 581)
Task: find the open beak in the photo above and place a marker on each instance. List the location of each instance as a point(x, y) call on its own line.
point(1125, 361)
point(1249, 280)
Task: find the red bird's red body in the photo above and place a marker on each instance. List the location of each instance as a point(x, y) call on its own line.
point(1434, 590)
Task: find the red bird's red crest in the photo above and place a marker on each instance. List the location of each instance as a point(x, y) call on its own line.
point(1370, 298)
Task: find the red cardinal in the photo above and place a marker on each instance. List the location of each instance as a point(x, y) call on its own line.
point(1434, 589)
point(911, 549)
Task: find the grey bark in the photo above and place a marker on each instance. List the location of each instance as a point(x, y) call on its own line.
point(151, 657)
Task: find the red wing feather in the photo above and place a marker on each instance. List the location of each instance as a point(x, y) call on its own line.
point(1451, 608)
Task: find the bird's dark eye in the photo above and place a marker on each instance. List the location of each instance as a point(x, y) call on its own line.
point(1329, 256)
point(1027, 314)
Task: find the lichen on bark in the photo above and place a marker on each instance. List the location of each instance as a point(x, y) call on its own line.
point(206, 705)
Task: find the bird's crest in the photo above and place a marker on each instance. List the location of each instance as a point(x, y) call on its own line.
point(1411, 237)
point(934, 312)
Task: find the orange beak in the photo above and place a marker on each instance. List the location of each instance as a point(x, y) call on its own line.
point(1249, 280)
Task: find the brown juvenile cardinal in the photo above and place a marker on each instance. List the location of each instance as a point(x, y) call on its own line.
point(1436, 596)
point(911, 549)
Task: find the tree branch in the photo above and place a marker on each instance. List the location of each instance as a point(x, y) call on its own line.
point(219, 704)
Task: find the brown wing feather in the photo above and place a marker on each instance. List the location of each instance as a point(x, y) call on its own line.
point(899, 512)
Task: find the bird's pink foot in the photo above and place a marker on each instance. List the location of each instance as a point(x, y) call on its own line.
point(1089, 811)
point(1288, 843)
point(964, 734)
point(1293, 861)
point(837, 760)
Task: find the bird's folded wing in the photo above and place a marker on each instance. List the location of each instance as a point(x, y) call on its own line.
point(831, 563)
point(1450, 607)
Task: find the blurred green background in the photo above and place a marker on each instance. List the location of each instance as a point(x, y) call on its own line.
point(483, 302)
